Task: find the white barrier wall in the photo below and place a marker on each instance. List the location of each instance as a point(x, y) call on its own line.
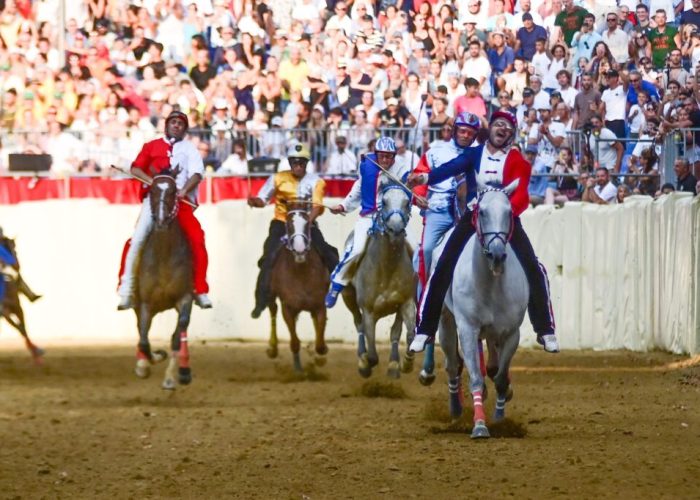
point(622, 276)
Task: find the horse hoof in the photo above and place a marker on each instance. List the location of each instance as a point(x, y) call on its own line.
point(272, 352)
point(320, 360)
point(372, 361)
point(480, 431)
point(509, 394)
point(499, 415)
point(168, 384)
point(426, 379)
point(142, 369)
point(184, 376)
point(393, 371)
point(407, 366)
point(365, 372)
point(322, 350)
point(38, 352)
point(160, 355)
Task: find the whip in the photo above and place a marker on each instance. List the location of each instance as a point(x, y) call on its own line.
point(149, 183)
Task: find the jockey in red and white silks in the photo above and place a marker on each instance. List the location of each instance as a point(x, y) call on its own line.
point(495, 162)
point(439, 213)
point(366, 194)
point(169, 152)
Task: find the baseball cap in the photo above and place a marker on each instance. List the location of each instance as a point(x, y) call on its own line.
point(528, 92)
point(612, 72)
point(276, 121)
point(220, 103)
point(531, 149)
point(545, 106)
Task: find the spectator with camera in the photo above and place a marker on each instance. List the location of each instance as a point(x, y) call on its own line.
point(600, 190)
point(607, 151)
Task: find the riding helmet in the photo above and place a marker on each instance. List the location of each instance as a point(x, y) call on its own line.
point(178, 114)
point(385, 145)
point(466, 119)
point(506, 115)
point(299, 150)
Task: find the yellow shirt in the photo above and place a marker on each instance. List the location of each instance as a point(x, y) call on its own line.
point(285, 187)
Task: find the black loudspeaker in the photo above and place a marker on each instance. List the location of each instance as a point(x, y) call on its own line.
point(20, 162)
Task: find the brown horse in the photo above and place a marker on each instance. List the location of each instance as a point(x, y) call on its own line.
point(11, 306)
point(164, 281)
point(300, 280)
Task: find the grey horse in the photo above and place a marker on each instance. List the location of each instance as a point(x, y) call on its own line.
point(384, 284)
point(488, 299)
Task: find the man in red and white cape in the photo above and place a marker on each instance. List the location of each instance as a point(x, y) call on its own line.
point(172, 152)
point(495, 162)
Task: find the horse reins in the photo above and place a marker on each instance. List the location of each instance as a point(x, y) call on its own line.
point(494, 235)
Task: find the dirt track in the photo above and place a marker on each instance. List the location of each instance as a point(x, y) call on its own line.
point(606, 425)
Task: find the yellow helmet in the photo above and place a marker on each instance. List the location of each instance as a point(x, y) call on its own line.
point(299, 150)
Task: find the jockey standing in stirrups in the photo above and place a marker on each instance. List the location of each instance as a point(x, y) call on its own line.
point(172, 152)
point(365, 193)
point(493, 162)
point(286, 186)
point(439, 213)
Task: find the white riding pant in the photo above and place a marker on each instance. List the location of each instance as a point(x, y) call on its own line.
point(144, 225)
point(353, 250)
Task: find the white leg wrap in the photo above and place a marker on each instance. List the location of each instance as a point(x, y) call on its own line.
point(144, 224)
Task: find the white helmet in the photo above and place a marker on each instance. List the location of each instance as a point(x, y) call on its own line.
point(385, 145)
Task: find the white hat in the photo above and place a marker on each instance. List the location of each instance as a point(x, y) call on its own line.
point(545, 106)
point(276, 121)
point(375, 59)
point(220, 103)
point(392, 101)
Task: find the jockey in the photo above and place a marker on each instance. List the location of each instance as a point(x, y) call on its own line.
point(170, 152)
point(439, 212)
point(286, 186)
point(366, 194)
point(494, 162)
point(6, 259)
point(22, 286)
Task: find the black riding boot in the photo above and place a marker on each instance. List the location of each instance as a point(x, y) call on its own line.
point(329, 254)
point(270, 247)
point(539, 306)
point(430, 307)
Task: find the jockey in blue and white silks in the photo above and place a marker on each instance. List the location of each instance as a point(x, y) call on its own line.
point(6, 259)
point(439, 214)
point(365, 194)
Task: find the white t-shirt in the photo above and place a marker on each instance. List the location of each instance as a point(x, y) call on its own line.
point(615, 101)
point(607, 154)
point(569, 96)
point(608, 192)
point(541, 63)
point(637, 123)
point(546, 150)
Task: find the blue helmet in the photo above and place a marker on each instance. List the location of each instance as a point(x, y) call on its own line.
point(385, 145)
point(466, 119)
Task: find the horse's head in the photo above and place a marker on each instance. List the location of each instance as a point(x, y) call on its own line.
point(493, 220)
point(298, 228)
point(163, 198)
point(395, 211)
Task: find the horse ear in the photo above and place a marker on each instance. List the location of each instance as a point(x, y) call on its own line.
point(510, 188)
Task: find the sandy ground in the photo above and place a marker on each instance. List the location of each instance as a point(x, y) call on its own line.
point(581, 425)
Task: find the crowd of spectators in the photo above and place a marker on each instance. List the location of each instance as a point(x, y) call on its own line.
point(593, 83)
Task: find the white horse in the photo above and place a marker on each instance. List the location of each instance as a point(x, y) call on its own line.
point(487, 299)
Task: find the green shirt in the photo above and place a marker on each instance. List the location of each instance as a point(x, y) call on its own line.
point(570, 22)
point(661, 45)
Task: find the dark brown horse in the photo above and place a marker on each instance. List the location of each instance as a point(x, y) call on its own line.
point(164, 281)
point(11, 306)
point(299, 280)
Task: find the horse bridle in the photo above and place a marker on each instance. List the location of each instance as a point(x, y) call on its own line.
point(405, 216)
point(176, 205)
point(306, 235)
point(492, 235)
